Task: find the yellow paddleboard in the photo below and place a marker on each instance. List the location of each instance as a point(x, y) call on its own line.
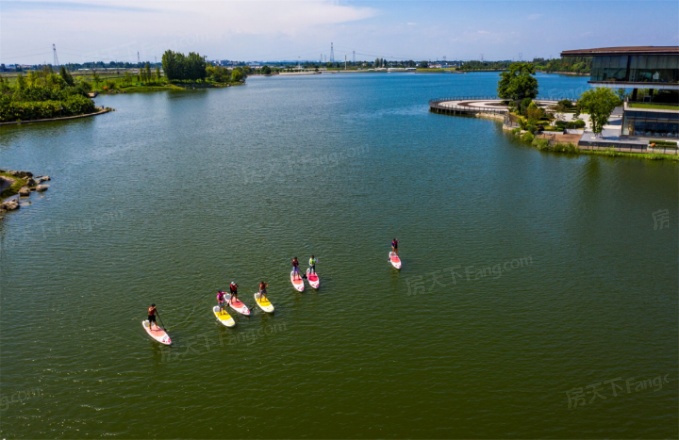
point(264, 303)
point(223, 317)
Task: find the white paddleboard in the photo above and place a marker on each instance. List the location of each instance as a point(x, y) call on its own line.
point(297, 283)
point(157, 333)
point(237, 305)
point(264, 303)
point(394, 260)
point(223, 317)
point(313, 279)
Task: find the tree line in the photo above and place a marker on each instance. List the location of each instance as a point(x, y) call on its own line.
point(43, 94)
point(581, 65)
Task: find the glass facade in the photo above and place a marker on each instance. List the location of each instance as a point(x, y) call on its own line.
point(650, 124)
point(661, 69)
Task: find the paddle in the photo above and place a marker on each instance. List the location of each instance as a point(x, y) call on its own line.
point(161, 321)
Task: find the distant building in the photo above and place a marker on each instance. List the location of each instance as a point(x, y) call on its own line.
point(652, 72)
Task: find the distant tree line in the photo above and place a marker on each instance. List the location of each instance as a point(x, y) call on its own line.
point(571, 64)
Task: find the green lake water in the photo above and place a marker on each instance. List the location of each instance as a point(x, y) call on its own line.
point(538, 296)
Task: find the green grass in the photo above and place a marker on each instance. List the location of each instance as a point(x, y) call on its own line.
point(653, 106)
point(14, 188)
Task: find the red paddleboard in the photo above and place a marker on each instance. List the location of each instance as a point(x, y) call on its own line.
point(156, 333)
point(313, 279)
point(297, 281)
point(237, 305)
point(394, 260)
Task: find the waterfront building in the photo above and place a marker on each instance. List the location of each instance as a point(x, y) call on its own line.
point(652, 73)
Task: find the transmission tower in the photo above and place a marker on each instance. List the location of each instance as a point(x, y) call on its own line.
point(332, 54)
point(353, 58)
point(56, 58)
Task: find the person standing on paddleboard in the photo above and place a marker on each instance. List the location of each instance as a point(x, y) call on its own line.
point(394, 246)
point(220, 299)
point(152, 316)
point(295, 267)
point(312, 264)
point(233, 288)
point(262, 289)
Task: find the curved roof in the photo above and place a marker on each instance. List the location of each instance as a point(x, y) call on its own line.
point(622, 50)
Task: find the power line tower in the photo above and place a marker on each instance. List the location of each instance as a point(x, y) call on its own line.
point(138, 60)
point(332, 53)
point(353, 58)
point(56, 58)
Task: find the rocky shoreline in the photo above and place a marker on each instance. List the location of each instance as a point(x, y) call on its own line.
point(15, 185)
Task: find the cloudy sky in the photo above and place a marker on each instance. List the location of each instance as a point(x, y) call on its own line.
point(261, 30)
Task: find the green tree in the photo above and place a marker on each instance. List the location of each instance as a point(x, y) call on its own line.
point(237, 75)
point(147, 72)
point(172, 65)
point(599, 104)
point(66, 75)
point(96, 79)
point(178, 66)
point(195, 67)
point(518, 82)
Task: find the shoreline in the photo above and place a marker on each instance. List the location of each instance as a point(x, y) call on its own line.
point(552, 141)
point(101, 111)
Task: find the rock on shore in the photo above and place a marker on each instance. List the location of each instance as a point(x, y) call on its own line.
point(28, 182)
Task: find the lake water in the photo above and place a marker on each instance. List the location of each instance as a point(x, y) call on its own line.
point(538, 295)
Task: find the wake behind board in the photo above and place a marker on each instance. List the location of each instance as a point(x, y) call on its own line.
point(157, 333)
point(263, 303)
point(237, 305)
point(394, 260)
point(297, 282)
point(313, 279)
point(223, 317)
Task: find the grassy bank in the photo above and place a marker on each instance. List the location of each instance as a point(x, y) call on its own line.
point(540, 144)
point(16, 183)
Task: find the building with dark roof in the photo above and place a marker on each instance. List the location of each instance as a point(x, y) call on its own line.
point(652, 72)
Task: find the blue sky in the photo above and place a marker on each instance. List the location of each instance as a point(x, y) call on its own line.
point(252, 30)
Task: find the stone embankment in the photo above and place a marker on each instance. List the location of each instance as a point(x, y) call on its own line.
point(17, 184)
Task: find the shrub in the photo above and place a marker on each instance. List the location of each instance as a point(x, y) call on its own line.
point(568, 147)
point(540, 144)
point(527, 137)
point(565, 106)
point(574, 124)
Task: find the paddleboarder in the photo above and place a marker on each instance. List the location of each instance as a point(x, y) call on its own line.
point(394, 246)
point(295, 267)
point(262, 289)
point(233, 288)
point(312, 264)
point(152, 316)
point(220, 299)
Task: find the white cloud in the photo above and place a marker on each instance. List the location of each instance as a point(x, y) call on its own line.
point(112, 29)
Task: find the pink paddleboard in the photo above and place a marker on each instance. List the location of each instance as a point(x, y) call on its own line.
point(237, 305)
point(394, 260)
point(157, 333)
point(313, 279)
point(297, 281)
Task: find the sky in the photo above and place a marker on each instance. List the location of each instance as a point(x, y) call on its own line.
point(272, 30)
